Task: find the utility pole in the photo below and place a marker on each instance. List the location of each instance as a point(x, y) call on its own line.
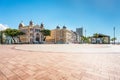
point(114, 34)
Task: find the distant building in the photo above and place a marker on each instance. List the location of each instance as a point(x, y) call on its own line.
point(79, 32)
point(61, 36)
point(32, 33)
point(100, 39)
point(74, 37)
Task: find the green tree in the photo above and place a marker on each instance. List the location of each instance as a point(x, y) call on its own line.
point(103, 40)
point(1, 37)
point(96, 35)
point(45, 32)
point(13, 33)
point(85, 39)
point(88, 39)
point(113, 39)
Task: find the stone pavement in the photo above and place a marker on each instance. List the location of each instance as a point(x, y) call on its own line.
point(21, 64)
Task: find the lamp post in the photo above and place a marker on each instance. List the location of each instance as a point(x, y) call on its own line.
point(114, 34)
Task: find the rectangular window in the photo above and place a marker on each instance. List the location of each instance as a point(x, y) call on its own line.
point(31, 34)
point(37, 30)
point(31, 29)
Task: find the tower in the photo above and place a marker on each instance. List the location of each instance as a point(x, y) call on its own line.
point(64, 27)
point(21, 25)
point(57, 27)
point(79, 31)
point(42, 25)
point(31, 23)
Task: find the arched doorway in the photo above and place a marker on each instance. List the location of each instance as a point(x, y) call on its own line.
point(37, 37)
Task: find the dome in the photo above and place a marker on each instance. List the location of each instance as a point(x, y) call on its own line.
point(57, 27)
point(21, 25)
point(64, 27)
point(42, 25)
point(31, 23)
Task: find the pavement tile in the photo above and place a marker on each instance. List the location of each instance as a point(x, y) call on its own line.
point(2, 76)
point(26, 65)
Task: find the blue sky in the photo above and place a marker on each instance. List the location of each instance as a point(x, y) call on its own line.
point(96, 16)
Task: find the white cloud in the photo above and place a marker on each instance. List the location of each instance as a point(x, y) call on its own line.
point(3, 27)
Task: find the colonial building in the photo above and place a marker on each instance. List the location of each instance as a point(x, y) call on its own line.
point(32, 33)
point(61, 36)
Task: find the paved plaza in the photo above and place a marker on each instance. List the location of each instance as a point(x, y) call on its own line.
point(60, 62)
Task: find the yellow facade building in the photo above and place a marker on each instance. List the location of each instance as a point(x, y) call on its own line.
point(61, 36)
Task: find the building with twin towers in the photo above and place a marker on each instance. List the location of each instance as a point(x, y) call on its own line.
point(32, 33)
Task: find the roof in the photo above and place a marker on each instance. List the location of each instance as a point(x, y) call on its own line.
point(101, 35)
